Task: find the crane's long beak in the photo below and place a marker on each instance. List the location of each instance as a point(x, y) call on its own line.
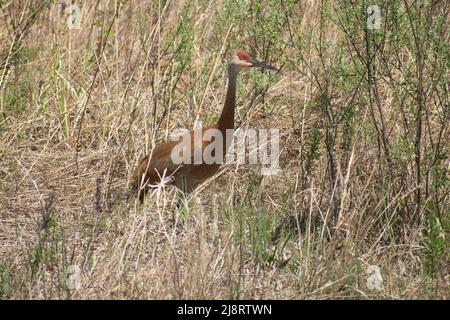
point(260, 64)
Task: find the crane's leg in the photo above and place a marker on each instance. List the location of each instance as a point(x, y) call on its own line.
point(182, 185)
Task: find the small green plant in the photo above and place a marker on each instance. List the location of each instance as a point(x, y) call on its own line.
point(6, 283)
point(436, 238)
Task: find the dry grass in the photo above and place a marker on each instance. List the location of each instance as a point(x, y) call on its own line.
point(80, 107)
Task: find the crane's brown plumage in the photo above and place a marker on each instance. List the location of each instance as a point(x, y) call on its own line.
point(187, 176)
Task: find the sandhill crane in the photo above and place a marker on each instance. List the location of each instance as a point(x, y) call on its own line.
point(186, 176)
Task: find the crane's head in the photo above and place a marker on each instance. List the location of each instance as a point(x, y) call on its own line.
point(242, 61)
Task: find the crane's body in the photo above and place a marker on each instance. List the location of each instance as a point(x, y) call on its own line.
point(188, 175)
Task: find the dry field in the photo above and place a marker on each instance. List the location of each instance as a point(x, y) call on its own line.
point(360, 209)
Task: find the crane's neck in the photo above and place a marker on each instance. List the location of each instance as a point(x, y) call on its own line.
point(226, 120)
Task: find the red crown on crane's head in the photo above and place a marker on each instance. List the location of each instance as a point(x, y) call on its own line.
point(243, 55)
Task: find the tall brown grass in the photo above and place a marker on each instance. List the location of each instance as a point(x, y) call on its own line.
point(364, 125)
